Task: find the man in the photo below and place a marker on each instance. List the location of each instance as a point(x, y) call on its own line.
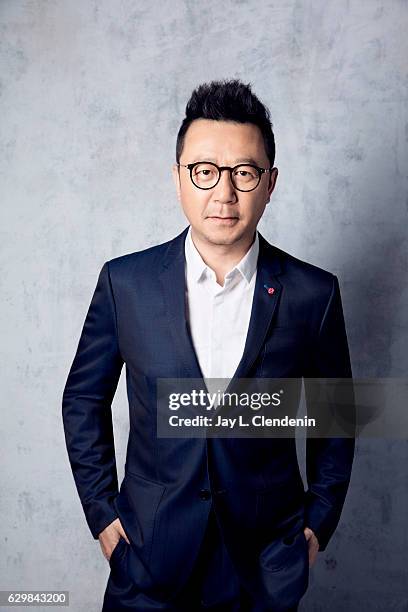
point(213, 524)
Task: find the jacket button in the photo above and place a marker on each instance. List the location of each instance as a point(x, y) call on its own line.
point(205, 494)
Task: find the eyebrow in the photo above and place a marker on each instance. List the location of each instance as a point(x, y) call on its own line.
point(239, 160)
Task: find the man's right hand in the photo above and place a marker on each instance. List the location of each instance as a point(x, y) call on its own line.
point(110, 536)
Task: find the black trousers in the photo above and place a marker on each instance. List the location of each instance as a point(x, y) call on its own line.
point(213, 585)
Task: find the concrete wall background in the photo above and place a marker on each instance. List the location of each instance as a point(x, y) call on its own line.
point(91, 97)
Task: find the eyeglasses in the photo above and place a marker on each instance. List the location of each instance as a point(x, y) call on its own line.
point(244, 177)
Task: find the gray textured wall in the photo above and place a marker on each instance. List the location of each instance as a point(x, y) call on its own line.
point(91, 96)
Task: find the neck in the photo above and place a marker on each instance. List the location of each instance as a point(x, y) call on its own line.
point(221, 258)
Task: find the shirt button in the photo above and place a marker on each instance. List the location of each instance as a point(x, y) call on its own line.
point(205, 494)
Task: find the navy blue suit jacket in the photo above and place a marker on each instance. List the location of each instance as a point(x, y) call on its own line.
point(137, 317)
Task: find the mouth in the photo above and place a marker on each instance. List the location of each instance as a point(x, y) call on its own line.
point(223, 218)
point(228, 221)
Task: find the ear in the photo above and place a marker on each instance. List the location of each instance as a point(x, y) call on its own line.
point(273, 175)
point(176, 177)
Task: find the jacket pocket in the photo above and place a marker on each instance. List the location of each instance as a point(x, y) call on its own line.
point(283, 551)
point(284, 564)
point(137, 505)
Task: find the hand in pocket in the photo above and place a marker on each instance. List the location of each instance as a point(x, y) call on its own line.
point(110, 536)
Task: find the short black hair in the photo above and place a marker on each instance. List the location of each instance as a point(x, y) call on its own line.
point(227, 100)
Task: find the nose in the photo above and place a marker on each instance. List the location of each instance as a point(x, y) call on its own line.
point(224, 190)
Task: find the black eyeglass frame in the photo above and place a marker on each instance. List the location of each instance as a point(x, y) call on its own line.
point(260, 170)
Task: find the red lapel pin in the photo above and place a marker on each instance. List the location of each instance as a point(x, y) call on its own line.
point(270, 290)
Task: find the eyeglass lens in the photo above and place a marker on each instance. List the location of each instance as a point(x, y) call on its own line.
point(205, 175)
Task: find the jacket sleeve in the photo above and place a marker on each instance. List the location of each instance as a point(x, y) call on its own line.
point(328, 459)
point(86, 408)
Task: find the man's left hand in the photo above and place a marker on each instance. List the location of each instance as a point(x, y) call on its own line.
point(313, 543)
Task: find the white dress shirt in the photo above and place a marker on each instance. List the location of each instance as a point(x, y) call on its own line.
point(219, 315)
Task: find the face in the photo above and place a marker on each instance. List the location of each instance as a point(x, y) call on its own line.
point(223, 215)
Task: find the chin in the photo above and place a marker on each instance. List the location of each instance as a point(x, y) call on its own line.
point(223, 236)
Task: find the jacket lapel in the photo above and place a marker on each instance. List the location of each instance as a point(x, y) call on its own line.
point(264, 304)
point(173, 284)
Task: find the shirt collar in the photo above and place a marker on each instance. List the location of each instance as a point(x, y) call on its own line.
point(196, 266)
